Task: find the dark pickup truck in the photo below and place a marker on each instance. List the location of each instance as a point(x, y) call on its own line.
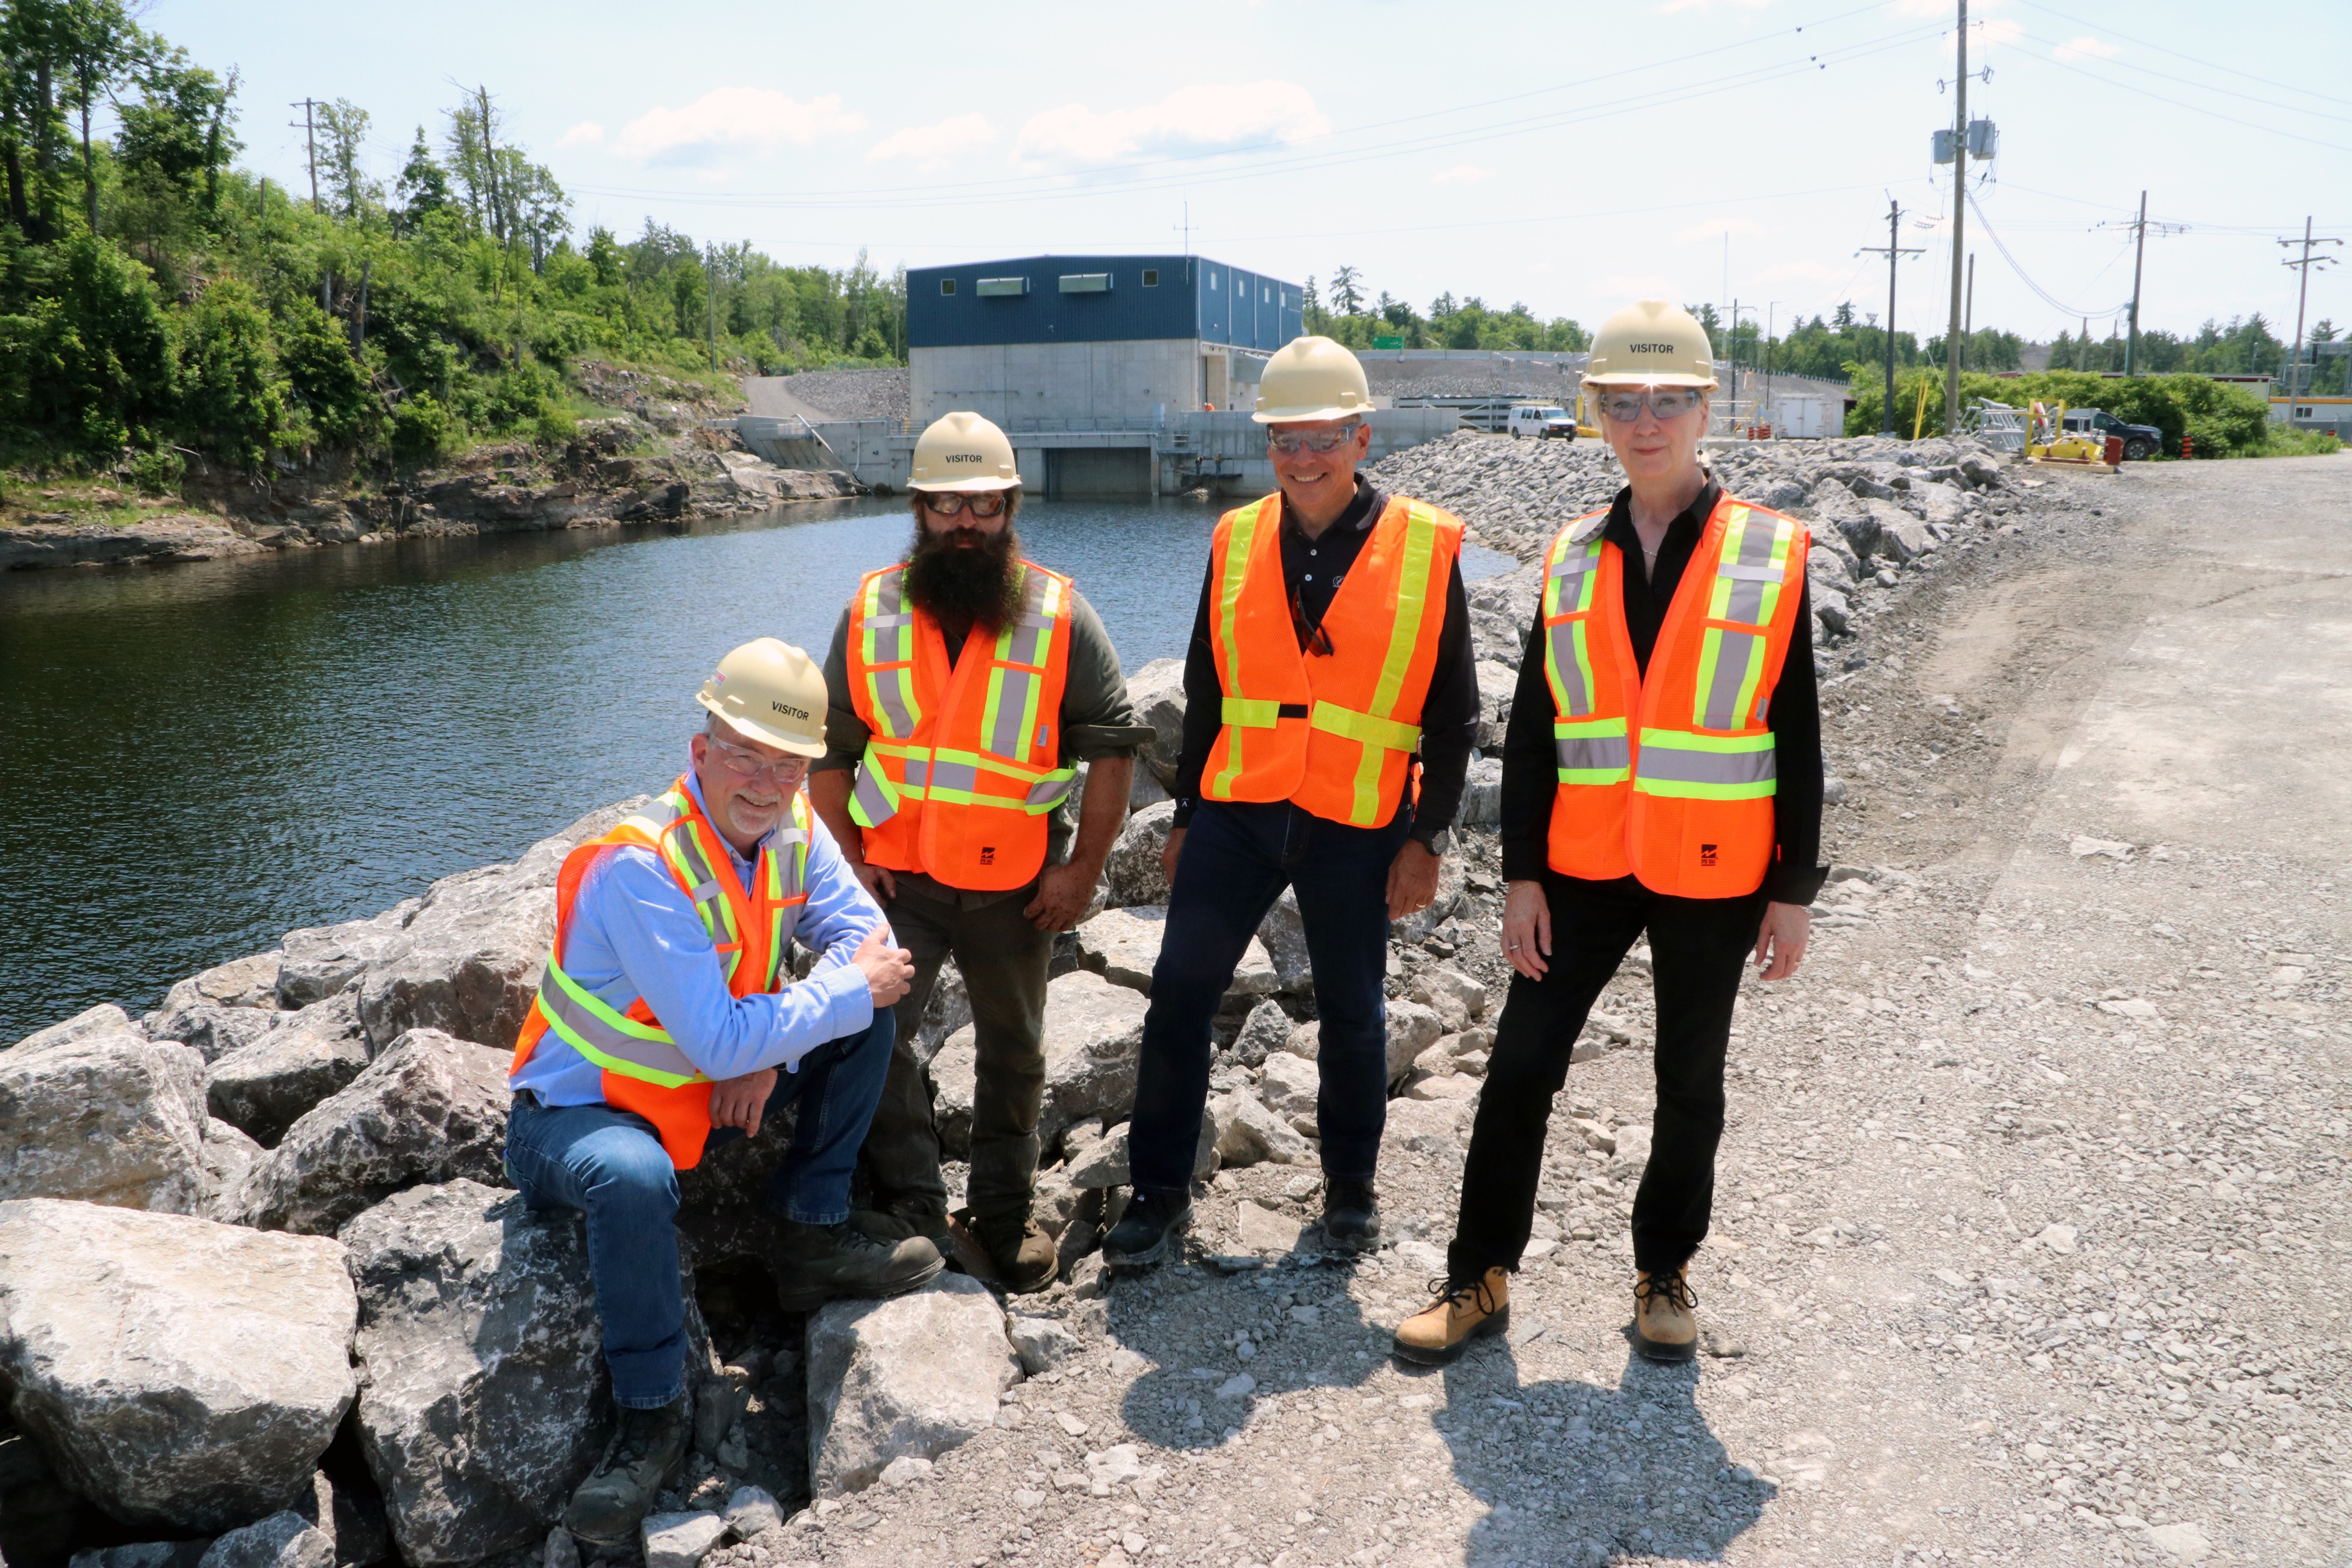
point(2140, 441)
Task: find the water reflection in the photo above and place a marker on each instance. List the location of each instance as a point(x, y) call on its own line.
point(196, 758)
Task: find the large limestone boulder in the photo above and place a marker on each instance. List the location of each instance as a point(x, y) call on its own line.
point(1123, 946)
point(108, 1117)
point(468, 960)
point(1900, 536)
point(106, 1015)
point(211, 1030)
point(485, 1399)
point(284, 1540)
point(1157, 693)
point(430, 1109)
point(263, 1087)
point(1498, 684)
point(1132, 868)
point(318, 961)
point(918, 1374)
point(248, 982)
point(182, 1374)
point(1284, 935)
point(1482, 793)
point(1250, 1133)
point(1094, 1034)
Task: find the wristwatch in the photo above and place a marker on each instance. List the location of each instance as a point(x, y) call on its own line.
point(1440, 843)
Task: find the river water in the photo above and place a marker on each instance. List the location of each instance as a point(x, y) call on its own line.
point(197, 758)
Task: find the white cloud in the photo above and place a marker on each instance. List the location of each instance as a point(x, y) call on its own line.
point(1624, 288)
point(586, 133)
point(2085, 48)
point(1798, 272)
point(1671, 7)
point(1460, 174)
point(754, 117)
point(1714, 229)
point(934, 147)
point(1206, 118)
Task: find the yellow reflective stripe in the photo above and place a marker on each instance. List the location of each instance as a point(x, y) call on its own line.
point(1240, 539)
point(1258, 712)
point(1372, 730)
point(607, 1037)
point(1679, 765)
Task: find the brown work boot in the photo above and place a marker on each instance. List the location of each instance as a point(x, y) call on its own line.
point(1664, 1328)
point(1022, 1255)
point(1465, 1309)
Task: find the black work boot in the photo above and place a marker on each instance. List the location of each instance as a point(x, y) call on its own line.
point(1351, 1213)
point(894, 1219)
point(644, 1455)
point(1022, 1253)
point(1144, 1233)
point(815, 1264)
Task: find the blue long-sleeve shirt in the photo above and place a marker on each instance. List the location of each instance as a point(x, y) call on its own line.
point(635, 933)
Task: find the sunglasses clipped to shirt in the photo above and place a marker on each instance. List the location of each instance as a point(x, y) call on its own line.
point(947, 503)
point(1666, 402)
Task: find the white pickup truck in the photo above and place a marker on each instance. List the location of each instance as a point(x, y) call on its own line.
point(1542, 421)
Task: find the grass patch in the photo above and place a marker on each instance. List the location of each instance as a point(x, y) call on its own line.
point(2284, 441)
point(26, 496)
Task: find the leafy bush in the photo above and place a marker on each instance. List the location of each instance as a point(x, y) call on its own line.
point(233, 402)
point(421, 428)
point(2224, 417)
point(153, 471)
point(326, 382)
point(85, 348)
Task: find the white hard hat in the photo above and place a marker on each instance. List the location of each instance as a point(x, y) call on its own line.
point(1650, 343)
point(964, 452)
point(1311, 378)
point(771, 692)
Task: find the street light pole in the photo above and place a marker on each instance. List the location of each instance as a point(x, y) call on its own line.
point(1959, 200)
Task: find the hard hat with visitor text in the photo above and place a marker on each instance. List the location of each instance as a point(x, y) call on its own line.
point(1311, 378)
point(964, 452)
point(1650, 343)
point(771, 692)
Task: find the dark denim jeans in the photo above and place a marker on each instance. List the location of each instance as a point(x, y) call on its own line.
point(1237, 860)
point(610, 1164)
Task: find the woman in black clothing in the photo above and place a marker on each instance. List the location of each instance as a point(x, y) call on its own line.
point(1672, 791)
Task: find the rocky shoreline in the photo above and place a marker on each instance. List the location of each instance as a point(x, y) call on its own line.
point(301, 1151)
point(663, 459)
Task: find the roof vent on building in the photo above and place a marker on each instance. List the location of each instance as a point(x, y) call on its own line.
point(1086, 282)
point(998, 288)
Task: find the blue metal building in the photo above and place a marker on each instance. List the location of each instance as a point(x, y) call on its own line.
point(1099, 299)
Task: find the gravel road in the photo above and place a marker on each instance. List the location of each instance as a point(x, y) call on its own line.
point(821, 395)
point(2032, 1226)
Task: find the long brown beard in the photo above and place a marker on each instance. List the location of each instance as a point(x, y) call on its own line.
point(964, 577)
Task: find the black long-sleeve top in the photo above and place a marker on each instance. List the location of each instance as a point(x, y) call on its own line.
point(1530, 769)
point(1312, 571)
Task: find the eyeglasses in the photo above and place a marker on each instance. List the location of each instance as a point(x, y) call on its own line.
point(744, 762)
point(947, 503)
point(1291, 444)
point(1666, 402)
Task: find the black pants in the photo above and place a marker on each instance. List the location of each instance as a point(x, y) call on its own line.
point(1696, 948)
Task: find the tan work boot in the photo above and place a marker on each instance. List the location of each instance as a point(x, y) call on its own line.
point(1022, 1255)
point(1464, 1310)
point(1663, 1326)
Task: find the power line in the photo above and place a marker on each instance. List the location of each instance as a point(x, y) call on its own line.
point(2194, 107)
point(2187, 81)
point(2047, 298)
point(2192, 60)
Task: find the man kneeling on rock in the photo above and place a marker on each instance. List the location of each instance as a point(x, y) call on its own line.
point(658, 1030)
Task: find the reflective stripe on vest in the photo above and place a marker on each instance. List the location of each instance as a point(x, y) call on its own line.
point(1587, 751)
point(1241, 712)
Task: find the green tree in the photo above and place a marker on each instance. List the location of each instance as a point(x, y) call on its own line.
point(1346, 291)
point(324, 382)
point(345, 127)
point(424, 187)
point(85, 349)
point(234, 403)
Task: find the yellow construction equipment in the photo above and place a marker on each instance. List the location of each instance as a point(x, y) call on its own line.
point(2047, 440)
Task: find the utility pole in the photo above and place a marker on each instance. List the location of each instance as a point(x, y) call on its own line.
point(710, 278)
point(2302, 292)
point(1969, 315)
point(1895, 251)
point(2139, 254)
point(310, 140)
point(1959, 203)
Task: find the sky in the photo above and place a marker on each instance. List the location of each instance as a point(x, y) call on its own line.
point(1568, 157)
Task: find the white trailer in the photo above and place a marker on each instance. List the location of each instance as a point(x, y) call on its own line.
point(1807, 418)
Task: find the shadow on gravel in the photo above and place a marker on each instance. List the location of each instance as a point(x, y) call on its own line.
point(1575, 1474)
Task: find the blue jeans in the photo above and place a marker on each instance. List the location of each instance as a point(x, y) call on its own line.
point(1237, 860)
point(610, 1164)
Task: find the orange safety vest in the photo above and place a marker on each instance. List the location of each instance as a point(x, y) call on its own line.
point(1670, 777)
point(962, 763)
point(644, 1069)
point(1334, 734)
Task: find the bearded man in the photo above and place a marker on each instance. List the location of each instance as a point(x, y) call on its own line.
point(965, 684)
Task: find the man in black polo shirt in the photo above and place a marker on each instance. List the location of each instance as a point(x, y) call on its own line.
point(1330, 660)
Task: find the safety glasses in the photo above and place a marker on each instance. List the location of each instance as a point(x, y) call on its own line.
point(947, 503)
point(1666, 402)
point(746, 764)
point(1291, 444)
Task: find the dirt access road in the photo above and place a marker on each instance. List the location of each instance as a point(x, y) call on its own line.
point(2033, 1242)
